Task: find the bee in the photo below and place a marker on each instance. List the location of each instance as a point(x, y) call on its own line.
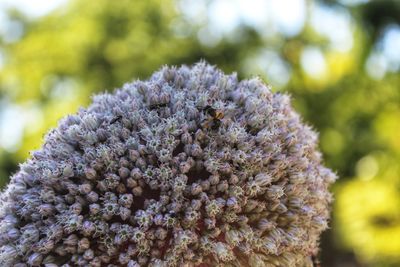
point(214, 118)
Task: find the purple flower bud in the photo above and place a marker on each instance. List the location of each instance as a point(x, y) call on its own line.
point(90, 173)
point(35, 259)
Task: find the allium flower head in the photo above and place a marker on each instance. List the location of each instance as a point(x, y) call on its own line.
point(189, 168)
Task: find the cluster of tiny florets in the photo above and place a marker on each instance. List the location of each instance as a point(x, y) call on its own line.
point(189, 168)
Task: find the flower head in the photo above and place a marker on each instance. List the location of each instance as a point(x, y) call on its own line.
point(191, 167)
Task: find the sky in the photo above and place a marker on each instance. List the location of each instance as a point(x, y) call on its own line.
point(32, 7)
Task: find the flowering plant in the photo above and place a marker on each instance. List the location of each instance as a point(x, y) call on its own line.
point(189, 168)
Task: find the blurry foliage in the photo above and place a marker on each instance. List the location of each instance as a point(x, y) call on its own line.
point(369, 220)
point(63, 58)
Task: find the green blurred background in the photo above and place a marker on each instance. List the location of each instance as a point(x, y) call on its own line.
point(340, 60)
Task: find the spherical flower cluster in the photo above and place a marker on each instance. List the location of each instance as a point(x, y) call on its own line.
point(189, 168)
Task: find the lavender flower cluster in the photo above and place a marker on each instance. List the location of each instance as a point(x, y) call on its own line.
point(189, 168)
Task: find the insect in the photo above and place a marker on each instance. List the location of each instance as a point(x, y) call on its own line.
point(214, 118)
